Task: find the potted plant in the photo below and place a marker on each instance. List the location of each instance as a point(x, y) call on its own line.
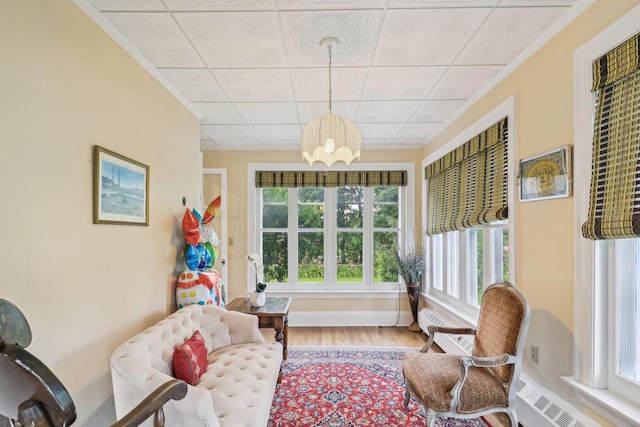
point(257, 298)
point(411, 268)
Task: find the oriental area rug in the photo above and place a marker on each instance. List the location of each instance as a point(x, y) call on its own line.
point(348, 387)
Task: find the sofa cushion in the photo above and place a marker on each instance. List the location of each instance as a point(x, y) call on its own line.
point(242, 379)
point(190, 359)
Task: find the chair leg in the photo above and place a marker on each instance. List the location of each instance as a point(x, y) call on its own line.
point(407, 397)
point(431, 418)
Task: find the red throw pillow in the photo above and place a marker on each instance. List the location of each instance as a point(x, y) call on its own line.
point(190, 359)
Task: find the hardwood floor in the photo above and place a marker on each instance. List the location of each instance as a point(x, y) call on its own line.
point(370, 336)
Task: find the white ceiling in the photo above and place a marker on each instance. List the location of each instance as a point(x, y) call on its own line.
point(257, 74)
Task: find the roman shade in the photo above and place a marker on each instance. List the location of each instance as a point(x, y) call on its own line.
point(468, 186)
point(614, 197)
point(293, 179)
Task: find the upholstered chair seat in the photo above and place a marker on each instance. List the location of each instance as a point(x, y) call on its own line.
point(481, 390)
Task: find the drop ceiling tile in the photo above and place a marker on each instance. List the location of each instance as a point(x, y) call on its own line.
point(228, 132)
point(507, 32)
point(220, 5)
point(157, 37)
point(218, 113)
point(269, 132)
point(463, 82)
point(281, 144)
point(128, 5)
point(391, 83)
point(238, 39)
point(308, 111)
point(385, 111)
point(237, 144)
point(204, 137)
point(195, 84)
point(437, 111)
point(418, 130)
point(268, 112)
point(312, 84)
point(393, 4)
point(356, 30)
point(255, 85)
point(426, 36)
point(379, 131)
point(374, 144)
point(330, 4)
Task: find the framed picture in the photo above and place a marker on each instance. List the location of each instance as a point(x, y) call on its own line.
point(546, 176)
point(120, 189)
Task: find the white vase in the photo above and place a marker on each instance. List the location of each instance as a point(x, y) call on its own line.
point(257, 299)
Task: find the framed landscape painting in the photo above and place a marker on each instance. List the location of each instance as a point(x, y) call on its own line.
point(120, 189)
point(546, 176)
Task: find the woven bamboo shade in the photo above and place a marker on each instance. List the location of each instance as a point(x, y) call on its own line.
point(614, 199)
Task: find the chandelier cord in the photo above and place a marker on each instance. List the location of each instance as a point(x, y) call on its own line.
point(330, 110)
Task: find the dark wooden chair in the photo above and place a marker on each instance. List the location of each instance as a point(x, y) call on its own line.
point(31, 395)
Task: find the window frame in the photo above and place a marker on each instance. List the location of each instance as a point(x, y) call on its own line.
point(459, 308)
point(591, 294)
point(406, 226)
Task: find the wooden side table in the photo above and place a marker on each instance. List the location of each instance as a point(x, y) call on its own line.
point(273, 314)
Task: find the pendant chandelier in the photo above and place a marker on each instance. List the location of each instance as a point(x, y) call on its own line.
point(330, 138)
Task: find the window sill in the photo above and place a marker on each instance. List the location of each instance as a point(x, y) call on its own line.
point(468, 319)
point(336, 294)
point(607, 404)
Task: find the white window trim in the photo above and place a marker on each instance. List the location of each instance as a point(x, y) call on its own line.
point(457, 308)
point(590, 300)
point(253, 210)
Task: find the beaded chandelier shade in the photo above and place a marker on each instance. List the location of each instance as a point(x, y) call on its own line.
point(330, 138)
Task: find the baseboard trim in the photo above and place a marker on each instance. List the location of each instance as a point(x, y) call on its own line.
point(349, 318)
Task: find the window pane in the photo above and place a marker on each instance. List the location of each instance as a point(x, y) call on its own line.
point(275, 216)
point(349, 257)
point(349, 208)
point(275, 257)
point(311, 195)
point(505, 254)
point(279, 195)
point(384, 264)
point(311, 207)
point(436, 261)
point(311, 257)
point(628, 308)
point(385, 207)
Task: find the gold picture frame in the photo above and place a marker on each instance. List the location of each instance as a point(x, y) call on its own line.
point(546, 175)
point(120, 189)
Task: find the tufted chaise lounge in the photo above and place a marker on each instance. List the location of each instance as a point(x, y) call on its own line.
point(235, 391)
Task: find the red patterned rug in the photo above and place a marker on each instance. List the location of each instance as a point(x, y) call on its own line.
point(348, 387)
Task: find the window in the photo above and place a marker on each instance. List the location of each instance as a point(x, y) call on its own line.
point(319, 234)
point(463, 263)
point(606, 312)
point(467, 189)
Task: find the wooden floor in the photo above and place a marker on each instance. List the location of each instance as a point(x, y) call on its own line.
point(370, 336)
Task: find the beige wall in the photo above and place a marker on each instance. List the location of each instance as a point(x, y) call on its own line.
point(236, 164)
point(543, 89)
point(85, 288)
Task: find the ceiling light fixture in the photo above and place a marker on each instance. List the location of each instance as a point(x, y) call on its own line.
point(330, 138)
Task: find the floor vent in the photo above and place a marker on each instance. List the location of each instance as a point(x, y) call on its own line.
point(537, 406)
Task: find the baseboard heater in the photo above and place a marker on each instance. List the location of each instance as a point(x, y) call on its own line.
point(537, 406)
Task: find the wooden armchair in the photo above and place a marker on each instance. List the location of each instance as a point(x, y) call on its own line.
point(31, 395)
point(483, 383)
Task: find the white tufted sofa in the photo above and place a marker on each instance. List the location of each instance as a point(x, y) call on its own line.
point(235, 391)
